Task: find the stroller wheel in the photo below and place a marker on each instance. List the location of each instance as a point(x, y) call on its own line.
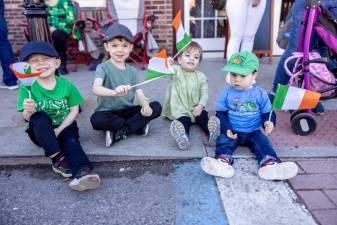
point(294, 113)
point(304, 123)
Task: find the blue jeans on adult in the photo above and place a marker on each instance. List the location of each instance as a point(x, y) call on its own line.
point(6, 54)
point(281, 76)
point(256, 141)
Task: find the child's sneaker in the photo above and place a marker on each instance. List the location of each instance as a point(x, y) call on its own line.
point(61, 166)
point(272, 170)
point(114, 136)
point(145, 130)
point(85, 180)
point(179, 134)
point(217, 167)
point(214, 130)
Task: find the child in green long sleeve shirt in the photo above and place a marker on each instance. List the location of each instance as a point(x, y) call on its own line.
point(186, 99)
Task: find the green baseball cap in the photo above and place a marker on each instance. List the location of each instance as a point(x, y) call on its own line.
point(242, 63)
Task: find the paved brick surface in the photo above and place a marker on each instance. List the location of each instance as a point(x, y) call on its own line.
point(316, 200)
point(326, 217)
point(332, 194)
point(314, 181)
point(316, 185)
point(323, 166)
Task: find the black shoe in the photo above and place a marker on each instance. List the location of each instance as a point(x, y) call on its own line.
point(114, 136)
point(61, 166)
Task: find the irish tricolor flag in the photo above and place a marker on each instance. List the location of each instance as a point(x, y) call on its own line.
point(158, 66)
point(293, 98)
point(182, 38)
point(23, 71)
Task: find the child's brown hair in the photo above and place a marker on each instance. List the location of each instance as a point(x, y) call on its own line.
point(192, 47)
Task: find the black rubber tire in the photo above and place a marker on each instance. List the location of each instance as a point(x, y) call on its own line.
point(304, 124)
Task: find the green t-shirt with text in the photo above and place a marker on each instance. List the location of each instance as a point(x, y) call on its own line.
point(56, 103)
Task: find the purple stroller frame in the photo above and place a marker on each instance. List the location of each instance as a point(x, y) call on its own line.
point(303, 122)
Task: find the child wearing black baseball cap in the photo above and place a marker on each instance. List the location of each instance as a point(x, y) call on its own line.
point(50, 113)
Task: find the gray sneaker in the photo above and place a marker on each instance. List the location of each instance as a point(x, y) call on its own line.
point(85, 180)
point(179, 134)
point(214, 130)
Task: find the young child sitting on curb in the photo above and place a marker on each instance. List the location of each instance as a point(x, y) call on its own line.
point(51, 112)
point(243, 108)
point(186, 98)
point(116, 113)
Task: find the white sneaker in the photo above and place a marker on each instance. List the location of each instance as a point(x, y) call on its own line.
point(13, 87)
point(87, 182)
point(216, 167)
point(179, 134)
point(214, 130)
point(278, 171)
point(108, 138)
point(146, 130)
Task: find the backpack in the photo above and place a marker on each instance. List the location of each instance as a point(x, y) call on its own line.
point(218, 4)
point(320, 77)
point(284, 31)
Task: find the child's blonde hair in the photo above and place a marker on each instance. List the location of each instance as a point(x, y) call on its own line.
point(193, 46)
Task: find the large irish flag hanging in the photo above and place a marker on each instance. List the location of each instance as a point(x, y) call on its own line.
point(158, 66)
point(182, 38)
point(293, 98)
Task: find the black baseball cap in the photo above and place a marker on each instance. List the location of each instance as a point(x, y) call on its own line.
point(37, 47)
point(117, 30)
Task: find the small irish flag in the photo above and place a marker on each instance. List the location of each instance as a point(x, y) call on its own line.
point(23, 71)
point(158, 66)
point(182, 38)
point(293, 98)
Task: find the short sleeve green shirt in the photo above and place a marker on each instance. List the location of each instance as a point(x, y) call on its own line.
point(113, 77)
point(56, 103)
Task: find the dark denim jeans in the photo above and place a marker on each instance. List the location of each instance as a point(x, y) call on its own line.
point(41, 132)
point(256, 141)
point(281, 76)
point(129, 118)
point(6, 54)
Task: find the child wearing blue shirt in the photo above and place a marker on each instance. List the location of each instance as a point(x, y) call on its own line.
point(243, 108)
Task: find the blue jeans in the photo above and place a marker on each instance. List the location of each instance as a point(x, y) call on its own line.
point(41, 132)
point(281, 77)
point(6, 54)
point(256, 141)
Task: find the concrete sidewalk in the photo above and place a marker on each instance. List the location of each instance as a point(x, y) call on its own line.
point(315, 186)
point(159, 144)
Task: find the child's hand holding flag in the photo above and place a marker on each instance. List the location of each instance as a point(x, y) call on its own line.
point(294, 98)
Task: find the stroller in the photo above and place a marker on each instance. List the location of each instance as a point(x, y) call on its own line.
point(310, 70)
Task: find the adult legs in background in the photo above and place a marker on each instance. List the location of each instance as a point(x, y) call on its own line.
point(280, 75)
point(253, 20)
point(59, 40)
point(237, 15)
point(6, 54)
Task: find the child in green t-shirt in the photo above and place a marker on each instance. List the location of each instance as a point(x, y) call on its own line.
point(116, 113)
point(50, 112)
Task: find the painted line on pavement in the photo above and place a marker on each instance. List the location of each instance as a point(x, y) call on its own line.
point(197, 197)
